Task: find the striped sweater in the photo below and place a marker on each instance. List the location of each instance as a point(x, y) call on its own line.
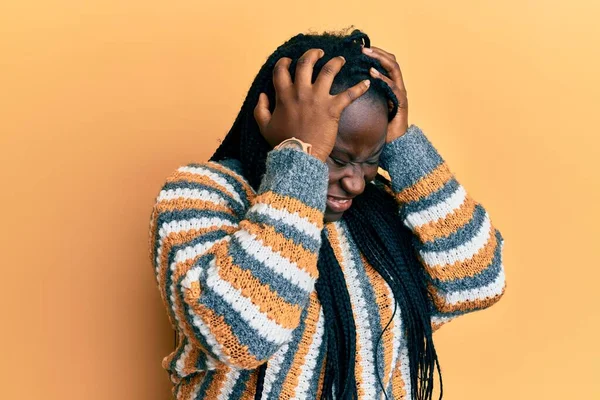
point(236, 270)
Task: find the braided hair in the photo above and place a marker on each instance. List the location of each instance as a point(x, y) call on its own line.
point(373, 222)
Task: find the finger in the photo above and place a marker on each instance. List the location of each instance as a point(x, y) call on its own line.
point(261, 112)
point(328, 73)
point(388, 62)
point(382, 51)
point(344, 99)
point(305, 65)
point(281, 74)
point(400, 93)
point(378, 75)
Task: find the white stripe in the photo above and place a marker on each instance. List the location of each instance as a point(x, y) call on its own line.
point(293, 219)
point(193, 275)
point(193, 223)
point(216, 178)
point(191, 252)
point(248, 311)
point(273, 368)
point(361, 316)
point(441, 319)
point(183, 226)
point(437, 211)
point(230, 380)
point(463, 252)
point(274, 261)
point(308, 369)
point(215, 346)
point(237, 176)
point(490, 290)
point(196, 390)
point(405, 368)
point(180, 364)
point(193, 194)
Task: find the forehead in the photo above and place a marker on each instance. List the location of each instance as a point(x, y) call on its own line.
point(362, 128)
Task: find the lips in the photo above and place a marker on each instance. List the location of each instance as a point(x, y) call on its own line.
point(338, 204)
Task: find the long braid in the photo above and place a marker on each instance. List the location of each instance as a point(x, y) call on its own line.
point(378, 231)
point(383, 241)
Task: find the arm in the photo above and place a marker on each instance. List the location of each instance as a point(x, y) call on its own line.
point(236, 279)
point(459, 247)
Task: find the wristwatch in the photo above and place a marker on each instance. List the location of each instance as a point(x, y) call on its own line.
point(294, 143)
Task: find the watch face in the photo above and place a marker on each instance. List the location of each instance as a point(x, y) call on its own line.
point(296, 144)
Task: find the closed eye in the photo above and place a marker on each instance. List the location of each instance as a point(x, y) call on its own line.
point(337, 162)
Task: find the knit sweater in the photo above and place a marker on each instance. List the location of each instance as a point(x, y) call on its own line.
point(236, 270)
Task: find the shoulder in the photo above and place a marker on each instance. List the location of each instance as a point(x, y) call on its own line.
point(220, 182)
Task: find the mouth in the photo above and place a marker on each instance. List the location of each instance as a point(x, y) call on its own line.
point(338, 204)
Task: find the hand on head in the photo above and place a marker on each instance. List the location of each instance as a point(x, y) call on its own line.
point(399, 124)
point(303, 109)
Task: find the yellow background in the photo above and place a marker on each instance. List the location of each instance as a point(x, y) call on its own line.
point(99, 101)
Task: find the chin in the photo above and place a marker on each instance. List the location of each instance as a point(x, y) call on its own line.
point(332, 217)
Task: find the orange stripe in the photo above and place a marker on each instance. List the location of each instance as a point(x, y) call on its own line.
point(321, 377)
point(176, 239)
point(187, 388)
point(192, 295)
point(166, 361)
point(398, 385)
point(219, 378)
point(224, 170)
point(185, 203)
point(383, 298)
point(437, 325)
point(184, 266)
point(250, 390)
point(196, 178)
point(230, 345)
point(291, 205)
point(152, 236)
point(191, 361)
point(468, 305)
point(288, 389)
point(270, 303)
point(289, 249)
point(444, 227)
point(470, 267)
point(430, 183)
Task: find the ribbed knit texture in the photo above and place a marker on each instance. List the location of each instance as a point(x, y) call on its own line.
point(236, 271)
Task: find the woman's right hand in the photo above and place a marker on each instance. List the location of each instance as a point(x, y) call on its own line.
point(305, 110)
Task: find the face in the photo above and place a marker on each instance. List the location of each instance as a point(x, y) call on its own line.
point(355, 156)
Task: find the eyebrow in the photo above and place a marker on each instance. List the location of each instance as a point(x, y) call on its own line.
point(348, 155)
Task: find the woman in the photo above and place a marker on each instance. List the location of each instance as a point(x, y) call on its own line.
point(290, 268)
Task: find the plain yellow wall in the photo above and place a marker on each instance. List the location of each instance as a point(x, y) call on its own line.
point(99, 101)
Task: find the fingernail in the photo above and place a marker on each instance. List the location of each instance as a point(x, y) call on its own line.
point(322, 52)
point(374, 71)
point(367, 50)
point(343, 59)
point(367, 82)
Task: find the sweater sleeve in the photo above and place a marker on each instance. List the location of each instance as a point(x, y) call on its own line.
point(236, 271)
point(457, 244)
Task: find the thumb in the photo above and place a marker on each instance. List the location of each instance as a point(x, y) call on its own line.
point(261, 112)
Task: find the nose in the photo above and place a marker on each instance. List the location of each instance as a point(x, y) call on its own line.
point(353, 182)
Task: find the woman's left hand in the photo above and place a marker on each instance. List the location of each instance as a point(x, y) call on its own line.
point(398, 126)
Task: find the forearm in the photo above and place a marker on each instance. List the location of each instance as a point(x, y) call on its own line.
point(239, 291)
point(457, 244)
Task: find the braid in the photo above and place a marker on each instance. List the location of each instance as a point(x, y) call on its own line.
point(384, 241)
point(387, 246)
point(339, 322)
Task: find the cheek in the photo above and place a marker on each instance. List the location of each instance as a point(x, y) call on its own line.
point(334, 177)
point(371, 172)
